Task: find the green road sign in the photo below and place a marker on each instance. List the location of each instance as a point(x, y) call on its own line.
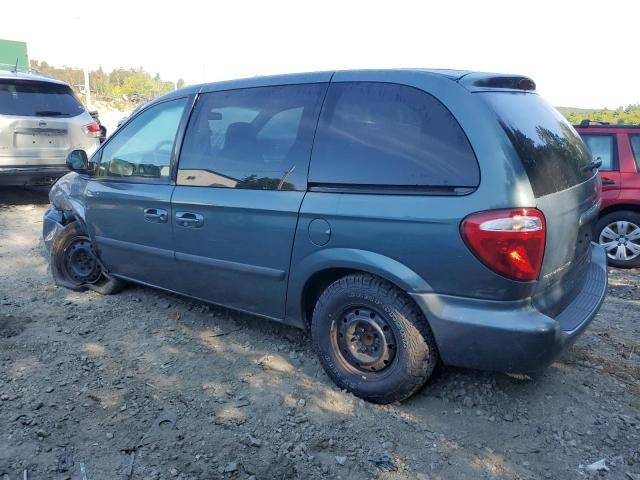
point(13, 54)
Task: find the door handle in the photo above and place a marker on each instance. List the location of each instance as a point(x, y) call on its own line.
point(155, 215)
point(189, 220)
point(608, 181)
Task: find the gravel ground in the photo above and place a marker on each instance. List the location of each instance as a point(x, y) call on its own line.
point(146, 385)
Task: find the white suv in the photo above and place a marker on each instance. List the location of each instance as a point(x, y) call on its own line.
point(41, 120)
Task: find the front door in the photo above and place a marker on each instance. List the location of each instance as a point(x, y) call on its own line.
point(241, 180)
point(129, 200)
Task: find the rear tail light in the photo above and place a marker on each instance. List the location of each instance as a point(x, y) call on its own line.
point(92, 130)
point(510, 242)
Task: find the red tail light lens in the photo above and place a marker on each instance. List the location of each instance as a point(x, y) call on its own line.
point(510, 242)
point(92, 130)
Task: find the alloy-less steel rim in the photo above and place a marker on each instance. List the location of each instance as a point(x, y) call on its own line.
point(621, 239)
point(365, 339)
point(80, 263)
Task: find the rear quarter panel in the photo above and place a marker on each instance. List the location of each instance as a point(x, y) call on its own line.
point(419, 232)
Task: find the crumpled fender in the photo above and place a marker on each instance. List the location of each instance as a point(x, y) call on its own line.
point(67, 195)
point(52, 223)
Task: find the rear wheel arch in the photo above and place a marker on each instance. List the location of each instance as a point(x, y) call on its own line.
point(317, 283)
point(315, 272)
point(620, 207)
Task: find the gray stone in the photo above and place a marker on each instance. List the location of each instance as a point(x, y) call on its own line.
point(231, 467)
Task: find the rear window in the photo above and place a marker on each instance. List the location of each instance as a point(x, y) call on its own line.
point(553, 155)
point(37, 99)
point(385, 134)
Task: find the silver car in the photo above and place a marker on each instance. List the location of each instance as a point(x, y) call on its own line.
point(41, 121)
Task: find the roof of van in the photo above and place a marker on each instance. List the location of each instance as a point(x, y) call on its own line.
point(8, 74)
point(472, 80)
point(296, 77)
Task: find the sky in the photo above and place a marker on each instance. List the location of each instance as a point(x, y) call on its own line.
point(580, 53)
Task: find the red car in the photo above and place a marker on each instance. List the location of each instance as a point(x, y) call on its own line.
point(618, 228)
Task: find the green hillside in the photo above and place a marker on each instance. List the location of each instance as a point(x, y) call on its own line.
point(621, 115)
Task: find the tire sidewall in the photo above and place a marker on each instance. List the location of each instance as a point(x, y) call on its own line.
point(106, 285)
point(609, 218)
point(58, 252)
point(370, 385)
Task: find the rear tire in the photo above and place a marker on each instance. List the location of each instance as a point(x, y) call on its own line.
point(619, 233)
point(372, 340)
point(75, 266)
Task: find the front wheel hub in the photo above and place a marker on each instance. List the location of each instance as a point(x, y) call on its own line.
point(80, 262)
point(365, 339)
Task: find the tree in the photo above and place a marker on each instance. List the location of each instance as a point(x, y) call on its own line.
point(139, 83)
point(621, 115)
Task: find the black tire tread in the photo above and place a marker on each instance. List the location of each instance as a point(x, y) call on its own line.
point(421, 347)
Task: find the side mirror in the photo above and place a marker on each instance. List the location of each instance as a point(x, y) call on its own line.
point(77, 161)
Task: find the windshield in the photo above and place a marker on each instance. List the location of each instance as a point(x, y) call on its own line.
point(553, 155)
point(37, 99)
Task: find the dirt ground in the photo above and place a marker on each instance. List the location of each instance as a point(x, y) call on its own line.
point(145, 385)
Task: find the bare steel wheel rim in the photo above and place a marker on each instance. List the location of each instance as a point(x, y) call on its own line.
point(365, 339)
point(621, 239)
point(80, 263)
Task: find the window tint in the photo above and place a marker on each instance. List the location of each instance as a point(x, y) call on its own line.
point(551, 151)
point(603, 148)
point(635, 146)
point(388, 134)
point(29, 98)
point(257, 138)
point(142, 148)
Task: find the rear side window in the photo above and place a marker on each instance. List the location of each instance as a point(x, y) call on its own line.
point(37, 99)
point(635, 146)
point(392, 135)
point(257, 138)
point(603, 149)
point(553, 155)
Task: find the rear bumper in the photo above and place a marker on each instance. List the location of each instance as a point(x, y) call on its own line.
point(511, 336)
point(31, 175)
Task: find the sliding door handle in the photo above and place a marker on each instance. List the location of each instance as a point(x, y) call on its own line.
point(189, 220)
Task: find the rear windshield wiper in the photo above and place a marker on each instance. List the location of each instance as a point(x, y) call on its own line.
point(49, 113)
point(593, 165)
